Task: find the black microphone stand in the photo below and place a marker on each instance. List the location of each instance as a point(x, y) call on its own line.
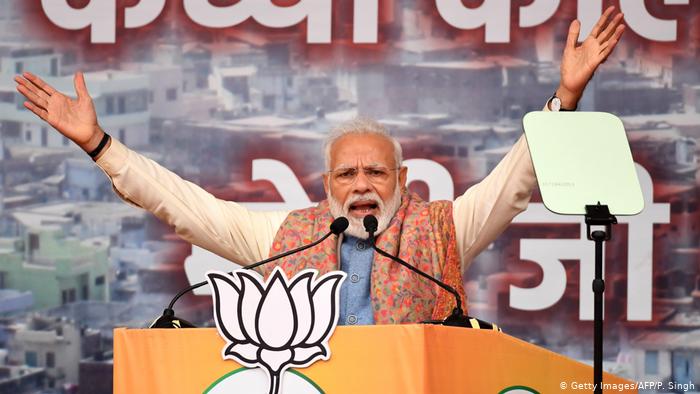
point(457, 318)
point(168, 318)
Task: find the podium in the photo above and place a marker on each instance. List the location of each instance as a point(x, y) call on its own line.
point(364, 359)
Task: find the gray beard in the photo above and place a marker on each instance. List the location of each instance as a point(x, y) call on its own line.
point(387, 210)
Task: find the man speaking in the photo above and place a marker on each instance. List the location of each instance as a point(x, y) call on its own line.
point(364, 175)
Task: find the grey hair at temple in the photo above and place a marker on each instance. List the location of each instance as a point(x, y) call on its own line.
point(360, 126)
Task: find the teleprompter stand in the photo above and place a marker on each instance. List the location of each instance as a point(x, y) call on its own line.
point(598, 215)
point(581, 158)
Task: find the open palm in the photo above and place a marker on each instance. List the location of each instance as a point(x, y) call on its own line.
point(74, 118)
point(580, 62)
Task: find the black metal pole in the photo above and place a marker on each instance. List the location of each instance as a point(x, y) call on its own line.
point(598, 215)
point(598, 289)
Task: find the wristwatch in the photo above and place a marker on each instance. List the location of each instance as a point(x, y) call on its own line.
point(554, 104)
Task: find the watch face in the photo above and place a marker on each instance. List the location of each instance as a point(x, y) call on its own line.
point(555, 104)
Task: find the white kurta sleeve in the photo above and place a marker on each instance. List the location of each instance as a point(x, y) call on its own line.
point(484, 211)
point(223, 227)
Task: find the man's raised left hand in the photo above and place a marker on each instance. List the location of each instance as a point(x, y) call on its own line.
point(579, 62)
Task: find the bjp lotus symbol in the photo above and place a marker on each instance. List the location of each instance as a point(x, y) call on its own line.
point(278, 323)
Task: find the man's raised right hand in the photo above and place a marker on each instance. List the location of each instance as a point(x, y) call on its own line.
point(74, 118)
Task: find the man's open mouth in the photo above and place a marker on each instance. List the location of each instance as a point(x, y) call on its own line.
point(362, 208)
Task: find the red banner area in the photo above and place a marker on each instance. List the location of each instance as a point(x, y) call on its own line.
point(357, 22)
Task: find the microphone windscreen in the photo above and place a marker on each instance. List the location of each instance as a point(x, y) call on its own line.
point(339, 225)
point(371, 223)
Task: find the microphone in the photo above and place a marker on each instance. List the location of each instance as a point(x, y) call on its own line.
point(457, 318)
point(371, 225)
point(169, 320)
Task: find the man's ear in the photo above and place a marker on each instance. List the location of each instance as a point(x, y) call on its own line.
point(403, 173)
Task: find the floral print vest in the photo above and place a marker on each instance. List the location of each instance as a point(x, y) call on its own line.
point(421, 233)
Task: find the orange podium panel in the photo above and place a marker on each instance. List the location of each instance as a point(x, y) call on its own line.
point(364, 359)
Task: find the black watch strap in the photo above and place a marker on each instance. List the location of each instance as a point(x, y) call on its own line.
point(561, 109)
point(105, 139)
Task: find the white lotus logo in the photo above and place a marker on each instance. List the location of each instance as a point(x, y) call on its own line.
point(277, 324)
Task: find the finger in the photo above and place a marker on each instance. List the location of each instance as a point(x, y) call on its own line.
point(574, 31)
point(618, 32)
point(603, 56)
point(610, 29)
point(31, 87)
point(599, 25)
point(31, 96)
point(40, 112)
point(609, 45)
point(80, 87)
point(40, 83)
